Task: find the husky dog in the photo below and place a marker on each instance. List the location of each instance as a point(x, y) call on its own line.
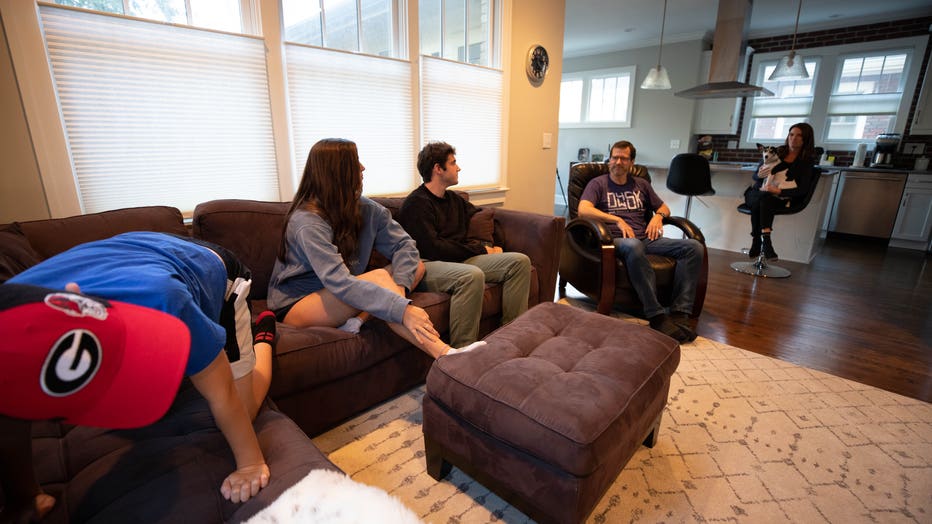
point(771, 160)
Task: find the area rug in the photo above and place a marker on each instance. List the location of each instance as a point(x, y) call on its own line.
point(744, 438)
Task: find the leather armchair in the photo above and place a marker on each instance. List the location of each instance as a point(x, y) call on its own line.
point(589, 264)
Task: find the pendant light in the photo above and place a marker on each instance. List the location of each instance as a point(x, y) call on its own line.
point(791, 67)
point(657, 77)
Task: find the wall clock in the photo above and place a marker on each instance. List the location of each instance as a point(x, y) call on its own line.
point(537, 64)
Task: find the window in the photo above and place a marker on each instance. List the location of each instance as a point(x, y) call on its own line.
point(459, 30)
point(462, 105)
point(176, 127)
point(222, 15)
point(167, 113)
point(854, 92)
point(379, 120)
point(866, 96)
point(597, 98)
point(771, 117)
point(360, 26)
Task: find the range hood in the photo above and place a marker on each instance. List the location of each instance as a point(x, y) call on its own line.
point(728, 46)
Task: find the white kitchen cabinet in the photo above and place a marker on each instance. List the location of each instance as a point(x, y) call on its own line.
point(913, 225)
point(718, 116)
point(922, 118)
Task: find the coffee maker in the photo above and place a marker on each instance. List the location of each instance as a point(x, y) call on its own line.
point(884, 147)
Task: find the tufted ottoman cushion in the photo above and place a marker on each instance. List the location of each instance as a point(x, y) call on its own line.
point(548, 413)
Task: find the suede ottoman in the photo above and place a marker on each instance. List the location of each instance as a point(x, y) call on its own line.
point(549, 412)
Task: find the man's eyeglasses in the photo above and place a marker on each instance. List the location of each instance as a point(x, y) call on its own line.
point(617, 159)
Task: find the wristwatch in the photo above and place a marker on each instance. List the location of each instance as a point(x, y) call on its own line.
point(664, 215)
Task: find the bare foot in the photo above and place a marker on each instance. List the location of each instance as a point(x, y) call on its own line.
point(245, 482)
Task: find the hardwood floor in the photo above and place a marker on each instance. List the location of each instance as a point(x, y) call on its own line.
point(858, 311)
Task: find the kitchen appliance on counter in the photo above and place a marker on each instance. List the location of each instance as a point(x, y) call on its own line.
point(866, 203)
point(884, 147)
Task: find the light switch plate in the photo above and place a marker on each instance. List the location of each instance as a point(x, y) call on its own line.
point(732, 144)
point(547, 140)
point(674, 144)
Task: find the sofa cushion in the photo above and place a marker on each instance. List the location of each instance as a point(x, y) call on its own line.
point(251, 229)
point(482, 225)
point(52, 236)
point(170, 471)
point(16, 254)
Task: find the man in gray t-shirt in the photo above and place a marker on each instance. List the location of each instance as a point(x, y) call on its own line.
point(634, 214)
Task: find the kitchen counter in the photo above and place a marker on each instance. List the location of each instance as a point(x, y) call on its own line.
point(797, 237)
point(874, 169)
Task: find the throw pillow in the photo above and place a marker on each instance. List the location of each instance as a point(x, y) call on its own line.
point(16, 254)
point(482, 225)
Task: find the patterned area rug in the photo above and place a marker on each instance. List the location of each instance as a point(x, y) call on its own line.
point(744, 438)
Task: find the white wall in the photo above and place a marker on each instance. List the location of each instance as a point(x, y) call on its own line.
point(533, 111)
point(21, 194)
point(657, 116)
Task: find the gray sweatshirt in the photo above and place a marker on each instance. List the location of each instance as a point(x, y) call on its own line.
point(312, 263)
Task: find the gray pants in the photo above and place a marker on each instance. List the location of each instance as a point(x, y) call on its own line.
point(465, 282)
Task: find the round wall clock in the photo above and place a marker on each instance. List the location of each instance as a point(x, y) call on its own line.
point(537, 64)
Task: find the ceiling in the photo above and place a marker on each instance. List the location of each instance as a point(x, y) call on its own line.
point(599, 26)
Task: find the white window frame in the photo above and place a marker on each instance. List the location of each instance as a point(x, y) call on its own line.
point(832, 57)
point(493, 37)
point(50, 141)
point(399, 29)
point(587, 77)
point(249, 20)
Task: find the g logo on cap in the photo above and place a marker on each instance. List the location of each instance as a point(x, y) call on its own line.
point(71, 364)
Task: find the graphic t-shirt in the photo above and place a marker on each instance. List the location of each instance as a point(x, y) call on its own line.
point(631, 201)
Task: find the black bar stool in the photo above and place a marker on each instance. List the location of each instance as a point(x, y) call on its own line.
point(689, 175)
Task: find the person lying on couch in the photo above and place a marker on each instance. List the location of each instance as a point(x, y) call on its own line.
point(201, 284)
point(85, 360)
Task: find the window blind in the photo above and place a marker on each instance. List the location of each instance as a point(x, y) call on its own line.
point(462, 105)
point(362, 98)
point(160, 114)
point(864, 104)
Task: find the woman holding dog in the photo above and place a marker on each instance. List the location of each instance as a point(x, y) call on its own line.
point(797, 156)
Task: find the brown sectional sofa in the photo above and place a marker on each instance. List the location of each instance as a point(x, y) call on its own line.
point(171, 471)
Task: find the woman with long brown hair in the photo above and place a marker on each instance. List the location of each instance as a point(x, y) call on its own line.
point(797, 156)
point(320, 276)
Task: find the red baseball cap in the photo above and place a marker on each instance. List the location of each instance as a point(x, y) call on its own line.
point(87, 360)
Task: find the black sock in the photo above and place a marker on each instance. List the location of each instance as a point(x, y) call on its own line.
point(264, 328)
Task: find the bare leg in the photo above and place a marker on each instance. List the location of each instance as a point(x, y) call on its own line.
point(25, 501)
point(254, 386)
point(322, 308)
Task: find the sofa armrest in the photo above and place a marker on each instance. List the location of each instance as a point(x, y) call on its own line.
point(537, 236)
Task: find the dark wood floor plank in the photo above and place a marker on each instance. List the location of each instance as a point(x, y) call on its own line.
point(858, 311)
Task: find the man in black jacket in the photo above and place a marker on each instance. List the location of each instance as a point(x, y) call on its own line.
point(438, 220)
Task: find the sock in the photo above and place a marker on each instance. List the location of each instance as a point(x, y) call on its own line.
point(352, 325)
point(264, 328)
point(465, 349)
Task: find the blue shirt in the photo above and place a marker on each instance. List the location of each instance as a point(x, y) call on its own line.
point(148, 269)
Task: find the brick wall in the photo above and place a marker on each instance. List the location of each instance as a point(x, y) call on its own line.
point(851, 35)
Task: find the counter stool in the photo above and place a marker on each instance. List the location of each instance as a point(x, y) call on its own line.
point(760, 267)
point(690, 175)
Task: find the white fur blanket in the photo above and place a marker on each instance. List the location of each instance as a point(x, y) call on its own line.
point(328, 497)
